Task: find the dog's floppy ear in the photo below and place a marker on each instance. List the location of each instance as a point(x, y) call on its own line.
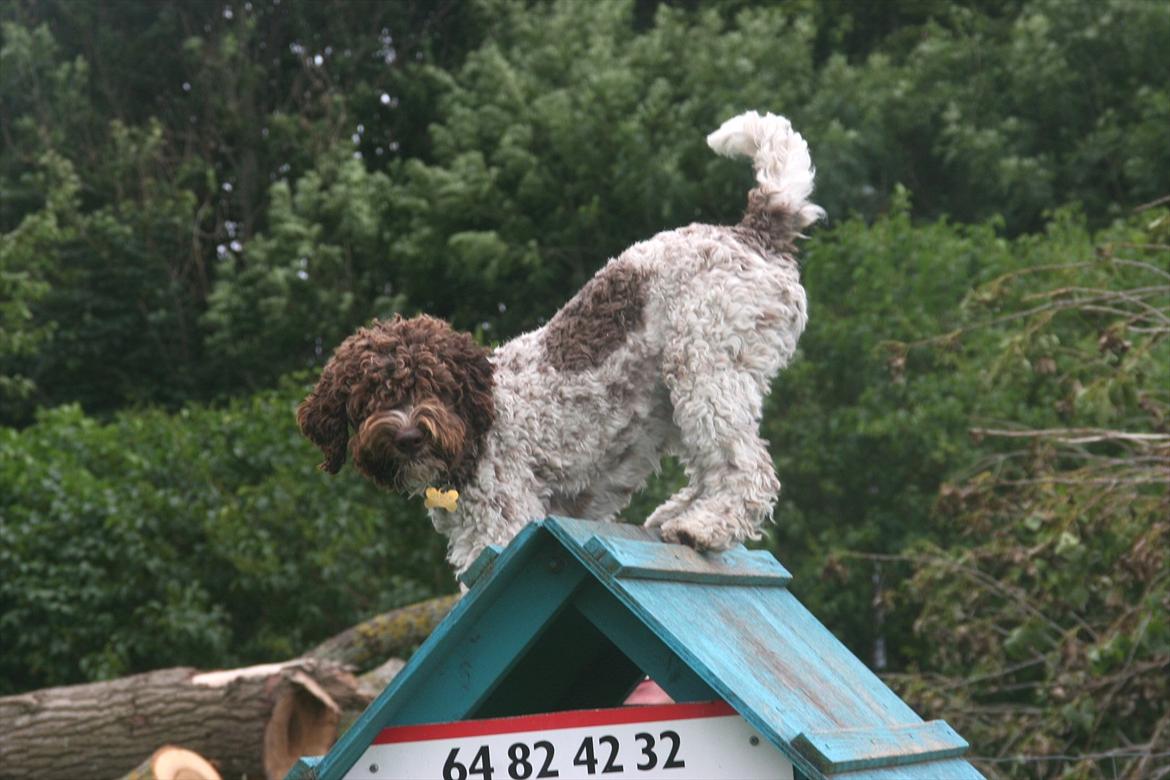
point(474, 370)
point(323, 419)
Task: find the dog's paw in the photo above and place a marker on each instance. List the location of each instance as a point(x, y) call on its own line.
point(698, 530)
point(661, 516)
point(672, 508)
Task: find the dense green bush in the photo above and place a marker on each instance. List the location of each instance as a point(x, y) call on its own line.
point(205, 537)
point(896, 368)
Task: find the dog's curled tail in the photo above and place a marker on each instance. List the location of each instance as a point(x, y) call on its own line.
point(783, 167)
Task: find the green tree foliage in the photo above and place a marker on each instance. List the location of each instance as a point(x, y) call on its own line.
point(204, 537)
point(570, 133)
point(174, 156)
point(512, 168)
point(23, 257)
point(97, 223)
point(1047, 618)
point(317, 272)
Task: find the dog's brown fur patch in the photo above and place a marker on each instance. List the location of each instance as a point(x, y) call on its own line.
point(771, 229)
point(572, 506)
point(597, 320)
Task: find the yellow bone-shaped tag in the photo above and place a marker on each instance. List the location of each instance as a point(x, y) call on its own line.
point(441, 499)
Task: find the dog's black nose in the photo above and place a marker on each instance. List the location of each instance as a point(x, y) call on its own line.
point(408, 439)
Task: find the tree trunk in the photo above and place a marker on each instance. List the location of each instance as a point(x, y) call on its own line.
point(375, 681)
point(391, 634)
point(173, 763)
point(254, 721)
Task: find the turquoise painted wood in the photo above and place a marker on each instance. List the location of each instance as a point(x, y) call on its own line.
point(847, 750)
point(640, 644)
point(571, 603)
point(304, 769)
point(759, 649)
point(454, 669)
point(645, 560)
point(481, 565)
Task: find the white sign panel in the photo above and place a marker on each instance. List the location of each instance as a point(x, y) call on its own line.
point(699, 741)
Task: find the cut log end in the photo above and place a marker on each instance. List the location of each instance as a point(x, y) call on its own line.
point(303, 723)
point(174, 763)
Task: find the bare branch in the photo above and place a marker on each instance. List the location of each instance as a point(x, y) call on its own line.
point(1073, 435)
point(1152, 204)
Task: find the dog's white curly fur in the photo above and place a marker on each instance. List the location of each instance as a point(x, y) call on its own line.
point(722, 312)
point(780, 155)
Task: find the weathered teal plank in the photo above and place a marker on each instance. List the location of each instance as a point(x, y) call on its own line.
point(304, 769)
point(758, 648)
point(454, 669)
point(577, 533)
point(482, 565)
point(628, 558)
point(640, 645)
point(946, 769)
point(765, 653)
point(851, 749)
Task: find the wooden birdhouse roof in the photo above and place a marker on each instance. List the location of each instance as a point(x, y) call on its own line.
point(572, 613)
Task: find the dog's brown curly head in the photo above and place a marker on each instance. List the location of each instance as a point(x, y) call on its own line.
point(417, 395)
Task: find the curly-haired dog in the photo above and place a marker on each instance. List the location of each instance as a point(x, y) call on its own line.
point(670, 348)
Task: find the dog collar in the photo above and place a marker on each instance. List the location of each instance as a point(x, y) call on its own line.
point(441, 499)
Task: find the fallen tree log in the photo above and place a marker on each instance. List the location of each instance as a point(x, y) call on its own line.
point(173, 763)
point(252, 722)
point(392, 634)
point(375, 680)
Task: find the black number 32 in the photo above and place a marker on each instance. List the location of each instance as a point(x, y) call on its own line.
point(672, 759)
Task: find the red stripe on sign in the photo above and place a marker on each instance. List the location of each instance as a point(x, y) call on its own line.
point(552, 720)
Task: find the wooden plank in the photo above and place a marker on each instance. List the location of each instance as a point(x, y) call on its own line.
point(846, 750)
point(630, 559)
point(640, 645)
point(304, 769)
point(457, 667)
point(575, 533)
point(943, 769)
point(764, 647)
point(482, 565)
point(761, 651)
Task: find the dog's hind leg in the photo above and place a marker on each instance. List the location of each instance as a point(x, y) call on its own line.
point(673, 506)
point(718, 367)
point(733, 484)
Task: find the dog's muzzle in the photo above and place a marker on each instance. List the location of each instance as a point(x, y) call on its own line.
point(406, 449)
